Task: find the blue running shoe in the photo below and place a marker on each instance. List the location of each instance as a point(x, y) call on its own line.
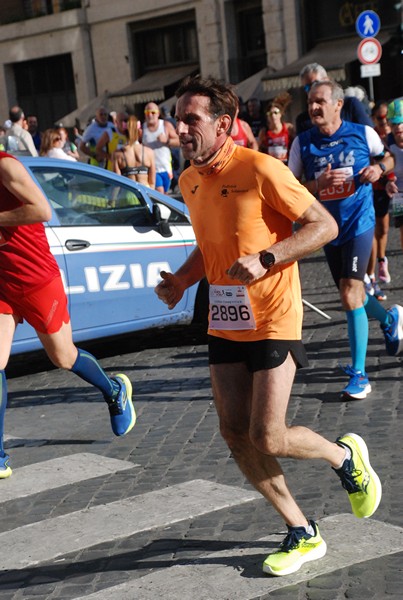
point(358, 387)
point(5, 470)
point(394, 332)
point(121, 410)
point(378, 293)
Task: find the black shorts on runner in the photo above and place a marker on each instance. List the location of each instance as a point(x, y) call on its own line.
point(381, 203)
point(350, 260)
point(259, 355)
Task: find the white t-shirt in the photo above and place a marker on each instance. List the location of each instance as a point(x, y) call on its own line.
point(94, 132)
point(59, 153)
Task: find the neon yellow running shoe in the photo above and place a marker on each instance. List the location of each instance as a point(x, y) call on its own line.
point(297, 548)
point(358, 477)
point(5, 469)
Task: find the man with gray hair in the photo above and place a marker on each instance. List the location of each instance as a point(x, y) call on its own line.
point(340, 161)
point(353, 110)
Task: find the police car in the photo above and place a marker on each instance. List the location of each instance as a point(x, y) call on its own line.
point(111, 238)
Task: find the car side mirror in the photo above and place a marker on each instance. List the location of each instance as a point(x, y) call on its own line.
point(161, 214)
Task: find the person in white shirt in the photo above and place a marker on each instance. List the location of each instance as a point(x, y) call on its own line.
point(52, 145)
point(160, 136)
point(19, 140)
point(93, 133)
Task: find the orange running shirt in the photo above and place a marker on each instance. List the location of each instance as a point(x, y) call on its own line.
point(243, 202)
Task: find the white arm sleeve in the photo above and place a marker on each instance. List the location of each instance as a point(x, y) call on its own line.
point(295, 162)
point(375, 145)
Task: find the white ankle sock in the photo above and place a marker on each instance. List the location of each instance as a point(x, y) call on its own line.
point(347, 456)
point(310, 530)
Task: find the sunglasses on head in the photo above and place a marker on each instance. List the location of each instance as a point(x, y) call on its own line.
point(308, 86)
point(151, 112)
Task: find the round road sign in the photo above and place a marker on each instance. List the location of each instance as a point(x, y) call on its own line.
point(368, 24)
point(369, 51)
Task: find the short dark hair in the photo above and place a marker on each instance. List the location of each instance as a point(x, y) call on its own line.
point(223, 99)
point(16, 113)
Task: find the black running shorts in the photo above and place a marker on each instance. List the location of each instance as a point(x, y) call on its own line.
point(260, 355)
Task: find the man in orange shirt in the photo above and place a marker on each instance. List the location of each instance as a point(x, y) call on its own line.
point(242, 205)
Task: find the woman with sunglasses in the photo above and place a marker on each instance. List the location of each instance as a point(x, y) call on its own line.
point(52, 145)
point(276, 138)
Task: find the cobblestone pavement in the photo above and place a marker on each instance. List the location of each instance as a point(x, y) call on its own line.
point(53, 414)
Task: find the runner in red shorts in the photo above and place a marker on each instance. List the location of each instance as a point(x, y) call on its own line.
point(31, 288)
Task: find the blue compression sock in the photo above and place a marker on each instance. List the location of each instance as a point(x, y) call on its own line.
point(88, 368)
point(357, 324)
point(3, 404)
point(375, 310)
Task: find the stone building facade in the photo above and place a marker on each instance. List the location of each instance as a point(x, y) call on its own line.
point(57, 55)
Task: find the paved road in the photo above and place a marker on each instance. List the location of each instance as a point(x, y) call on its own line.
point(164, 512)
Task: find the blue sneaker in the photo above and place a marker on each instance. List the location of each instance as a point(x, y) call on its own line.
point(394, 332)
point(378, 293)
point(121, 410)
point(5, 470)
point(358, 387)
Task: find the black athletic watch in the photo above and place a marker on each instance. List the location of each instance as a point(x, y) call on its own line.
point(383, 168)
point(267, 259)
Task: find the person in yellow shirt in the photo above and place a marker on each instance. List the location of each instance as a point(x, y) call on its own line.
point(111, 140)
point(242, 204)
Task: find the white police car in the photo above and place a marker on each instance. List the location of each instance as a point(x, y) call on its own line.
point(111, 238)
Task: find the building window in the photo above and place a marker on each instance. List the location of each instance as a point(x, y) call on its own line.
point(45, 87)
point(160, 44)
point(250, 40)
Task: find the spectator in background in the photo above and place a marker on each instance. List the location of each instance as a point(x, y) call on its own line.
point(357, 91)
point(134, 160)
point(112, 139)
point(32, 121)
point(276, 138)
point(254, 116)
point(69, 147)
point(18, 140)
point(52, 145)
point(381, 206)
point(160, 136)
point(92, 133)
point(175, 152)
point(353, 110)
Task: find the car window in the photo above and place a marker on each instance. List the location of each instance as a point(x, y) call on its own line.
point(79, 198)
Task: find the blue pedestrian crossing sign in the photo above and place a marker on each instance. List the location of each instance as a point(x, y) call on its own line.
point(368, 24)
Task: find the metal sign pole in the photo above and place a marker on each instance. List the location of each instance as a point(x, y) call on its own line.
point(371, 88)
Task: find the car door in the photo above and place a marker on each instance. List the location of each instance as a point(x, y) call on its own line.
point(112, 248)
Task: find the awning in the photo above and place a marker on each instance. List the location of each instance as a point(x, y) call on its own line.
point(252, 87)
point(331, 54)
point(151, 86)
